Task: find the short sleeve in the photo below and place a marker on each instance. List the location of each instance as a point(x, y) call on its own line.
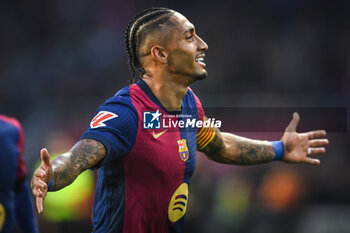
point(115, 125)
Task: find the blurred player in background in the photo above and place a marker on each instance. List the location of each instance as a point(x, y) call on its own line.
point(144, 167)
point(16, 206)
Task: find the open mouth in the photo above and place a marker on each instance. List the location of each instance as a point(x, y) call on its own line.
point(200, 59)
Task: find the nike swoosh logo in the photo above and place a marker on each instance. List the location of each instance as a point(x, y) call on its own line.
point(158, 134)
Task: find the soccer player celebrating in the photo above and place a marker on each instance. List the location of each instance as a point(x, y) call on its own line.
point(144, 168)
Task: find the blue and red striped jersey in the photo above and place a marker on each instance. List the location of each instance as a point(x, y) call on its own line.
point(151, 155)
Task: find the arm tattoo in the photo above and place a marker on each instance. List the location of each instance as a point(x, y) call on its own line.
point(68, 166)
point(254, 153)
point(232, 149)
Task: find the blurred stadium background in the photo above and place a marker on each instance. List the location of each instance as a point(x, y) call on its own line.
point(60, 60)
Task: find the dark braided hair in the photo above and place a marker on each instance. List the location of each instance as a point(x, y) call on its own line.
point(133, 38)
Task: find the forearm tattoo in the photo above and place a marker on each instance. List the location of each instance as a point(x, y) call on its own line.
point(250, 153)
point(232, 149)
point(68, 166)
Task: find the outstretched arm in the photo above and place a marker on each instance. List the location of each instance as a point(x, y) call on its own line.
point(65, 168)
point(232, 149)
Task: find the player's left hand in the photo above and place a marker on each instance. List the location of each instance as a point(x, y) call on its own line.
point(297, 146)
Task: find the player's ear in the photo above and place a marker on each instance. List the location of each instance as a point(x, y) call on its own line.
point(159, 53)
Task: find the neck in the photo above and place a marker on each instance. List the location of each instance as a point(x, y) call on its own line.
point(168, 90)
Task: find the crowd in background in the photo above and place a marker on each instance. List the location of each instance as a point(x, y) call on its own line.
point(60, 60)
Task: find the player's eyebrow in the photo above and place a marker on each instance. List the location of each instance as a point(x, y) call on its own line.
point(191, 30)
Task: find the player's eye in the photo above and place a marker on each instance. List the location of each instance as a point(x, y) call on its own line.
point(189, 37)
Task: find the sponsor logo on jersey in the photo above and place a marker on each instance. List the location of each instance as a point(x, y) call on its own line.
point(101, 117)
point(183, 149)
point(151, 120)
point(178, 203)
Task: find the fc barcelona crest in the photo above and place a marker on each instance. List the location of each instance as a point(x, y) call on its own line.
point(183, 149)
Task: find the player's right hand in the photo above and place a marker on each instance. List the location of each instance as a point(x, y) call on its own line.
point(41, 179)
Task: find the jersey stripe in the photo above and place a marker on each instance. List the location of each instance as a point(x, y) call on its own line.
point(204, 137)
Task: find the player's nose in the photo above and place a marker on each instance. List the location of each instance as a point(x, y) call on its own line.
point(202, 46)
